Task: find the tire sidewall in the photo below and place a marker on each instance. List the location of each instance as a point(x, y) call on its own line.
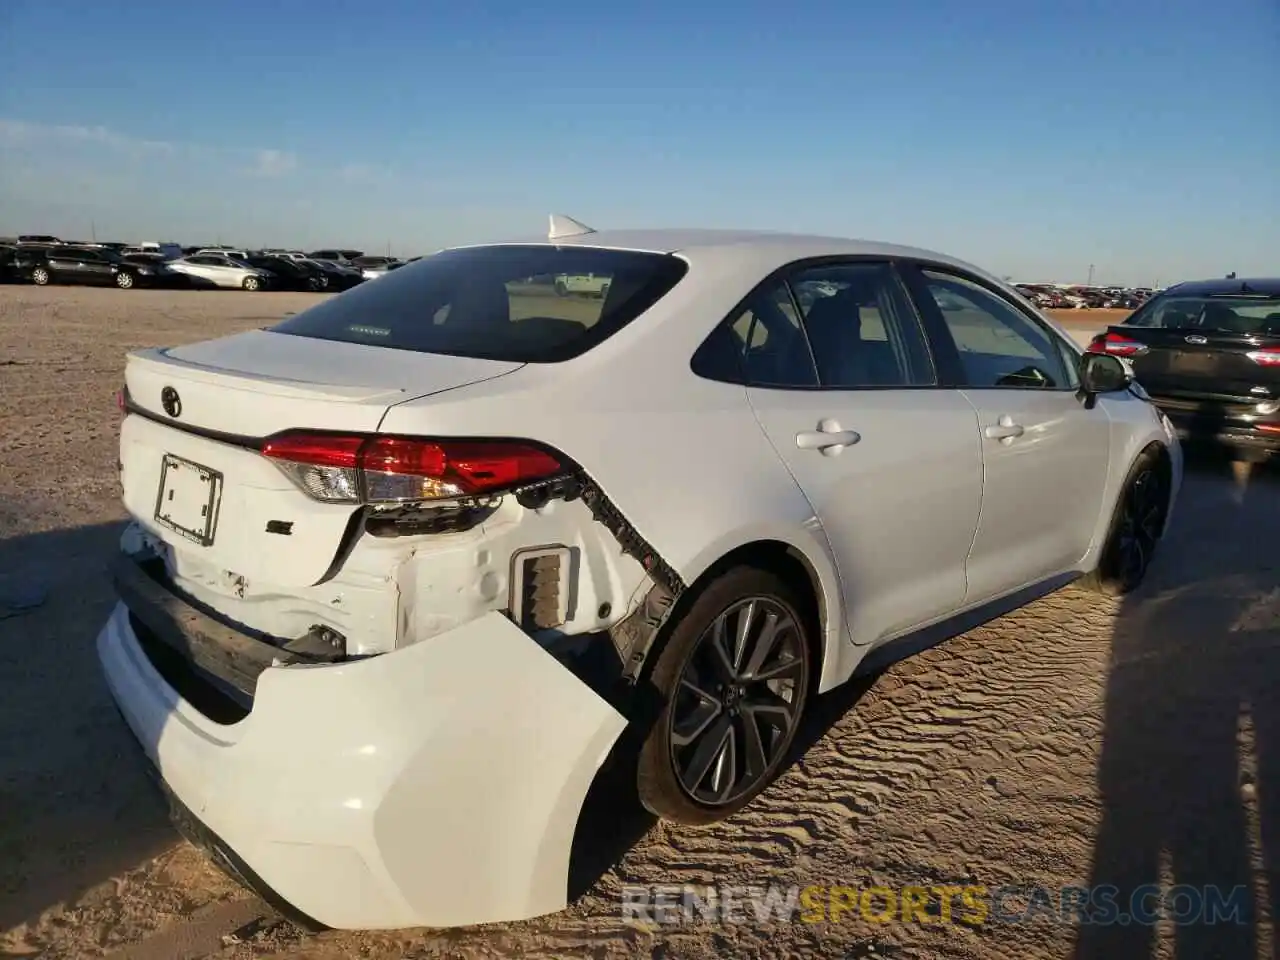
point(659, 788)
point(1101, 580)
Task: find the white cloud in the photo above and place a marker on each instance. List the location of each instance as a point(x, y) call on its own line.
point(273, 163)
point(20, 133)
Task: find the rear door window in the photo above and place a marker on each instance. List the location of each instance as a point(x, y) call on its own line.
point(519, 303)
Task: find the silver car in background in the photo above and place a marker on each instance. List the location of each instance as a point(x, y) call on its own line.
point(220, 270)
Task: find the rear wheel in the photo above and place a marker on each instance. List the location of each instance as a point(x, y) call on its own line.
point(1136, 528)
point(734, 678)
point(124, 280)
point(252, 283)
point(40, 276)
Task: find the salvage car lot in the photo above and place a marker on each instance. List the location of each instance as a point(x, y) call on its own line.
point(975, 762)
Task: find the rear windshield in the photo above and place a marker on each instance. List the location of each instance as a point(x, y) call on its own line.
point(1242, 315)
point(524, 304)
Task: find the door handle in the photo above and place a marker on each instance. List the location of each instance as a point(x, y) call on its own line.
point(829, 438)
point(1004, 430)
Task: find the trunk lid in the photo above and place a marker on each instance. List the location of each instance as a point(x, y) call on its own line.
point(196, 480)
point(1201, 363)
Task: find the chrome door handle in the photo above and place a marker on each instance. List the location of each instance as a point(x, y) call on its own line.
point(829, 438)
point(1004, 430)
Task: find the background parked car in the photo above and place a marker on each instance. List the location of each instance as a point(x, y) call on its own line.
point(67, 264)
point(8, 263)
point(341, 277)
point(218, 270)
point(290, 274)
point(340, 256)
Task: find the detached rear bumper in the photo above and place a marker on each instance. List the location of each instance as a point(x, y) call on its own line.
point(439, 785)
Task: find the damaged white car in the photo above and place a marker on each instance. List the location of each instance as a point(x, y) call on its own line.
point(402, 567)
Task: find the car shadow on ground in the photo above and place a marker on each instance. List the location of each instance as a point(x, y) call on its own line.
point(75, 806)
point(1189, 771)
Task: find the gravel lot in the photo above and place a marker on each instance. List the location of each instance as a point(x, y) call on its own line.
point(1074, 741)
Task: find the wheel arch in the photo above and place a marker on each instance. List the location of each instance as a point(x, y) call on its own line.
point(805, 563)
point(1168, 460)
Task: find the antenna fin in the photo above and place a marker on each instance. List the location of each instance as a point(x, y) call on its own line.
point(562, 226)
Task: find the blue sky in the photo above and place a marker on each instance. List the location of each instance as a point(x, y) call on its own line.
point(1142, 136)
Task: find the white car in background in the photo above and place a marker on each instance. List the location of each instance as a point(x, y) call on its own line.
point(403, 567)
point(220, 270)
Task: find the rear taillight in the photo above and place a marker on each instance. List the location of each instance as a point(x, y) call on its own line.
point(1116, 345)
point(348, 468)
point(1267, 356)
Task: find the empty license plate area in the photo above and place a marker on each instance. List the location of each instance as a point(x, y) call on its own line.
point(188, 499)
point(1188, 361)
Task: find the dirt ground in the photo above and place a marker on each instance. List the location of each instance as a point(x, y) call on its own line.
point(1076, 741)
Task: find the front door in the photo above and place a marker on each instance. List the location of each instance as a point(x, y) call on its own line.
point(1045, 454)
point(842, 382)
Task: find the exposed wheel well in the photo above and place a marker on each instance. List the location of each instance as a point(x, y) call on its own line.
point(789, 563)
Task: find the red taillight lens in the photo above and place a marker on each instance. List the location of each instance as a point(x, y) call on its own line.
point(1267, 356)
point(353, 469)
point(316, 450)
point(1116, 345)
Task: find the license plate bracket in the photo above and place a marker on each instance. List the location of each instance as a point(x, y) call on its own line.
point(1194, 362)
point(188, 499)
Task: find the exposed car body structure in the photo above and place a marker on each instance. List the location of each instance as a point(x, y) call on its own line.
point(1208, 353)
point(403, 567)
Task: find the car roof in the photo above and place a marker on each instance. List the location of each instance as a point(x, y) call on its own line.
point(757, 249)
point(1270, 286)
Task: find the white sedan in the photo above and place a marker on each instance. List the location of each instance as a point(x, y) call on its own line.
point(220, 270)
point(403, 567)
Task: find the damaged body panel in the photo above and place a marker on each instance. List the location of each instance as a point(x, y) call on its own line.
point(405, 766)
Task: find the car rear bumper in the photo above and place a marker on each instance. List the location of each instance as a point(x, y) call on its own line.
point(439, 785)
point(1204, 428)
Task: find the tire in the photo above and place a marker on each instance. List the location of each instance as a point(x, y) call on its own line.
point(251, 283)
point(1137, 525)
point(316, 284)
point(561, 289)
point(691, 730)
point(40, 277)
point(124, 280)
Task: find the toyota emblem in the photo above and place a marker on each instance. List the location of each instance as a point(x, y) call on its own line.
point(171, 402)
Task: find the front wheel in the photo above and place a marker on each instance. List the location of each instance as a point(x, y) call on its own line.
point(40, 277)
point(734, 677)
point(1137, 525)
point(252, 283)
point(124, 280)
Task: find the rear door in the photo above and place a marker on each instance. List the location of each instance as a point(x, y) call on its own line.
point(95, 267)
point(1045, 457)
point(841, 381)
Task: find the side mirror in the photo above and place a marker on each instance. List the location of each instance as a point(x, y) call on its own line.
point(1102, 373)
